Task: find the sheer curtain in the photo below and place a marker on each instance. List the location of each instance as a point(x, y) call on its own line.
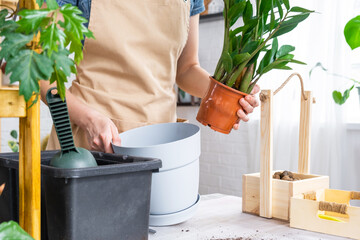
point(318, 39)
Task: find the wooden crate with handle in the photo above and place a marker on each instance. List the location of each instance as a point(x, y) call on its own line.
point(326, 211)
point(268, 197)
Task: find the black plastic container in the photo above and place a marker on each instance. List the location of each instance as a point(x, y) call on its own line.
point(111, 201)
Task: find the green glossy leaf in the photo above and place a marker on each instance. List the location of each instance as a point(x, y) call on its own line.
point(3, 14)
point(76, 47)
point(62, 61)
point(12, 43)
point(14, 134)
point(285, 49)
point(31, 20)
point(352, 32)
point(52, 4)
point(236, 11)
point(73, 22)
point(290, 24)
point(227, 61)
point(248, 12)
point(239, 58)
point(272, 20)
point(341, 98)
point(282, 67)
point(297, 61)
point(250, 47)
point(265, 6)
point(300, 9)
point(337, 96)
point(287, 4)
point(11, 231)
point(287, 57)
point(280, 10)
point(52, 38)
point(6, 26)
point(28, 67)
point(269, 56)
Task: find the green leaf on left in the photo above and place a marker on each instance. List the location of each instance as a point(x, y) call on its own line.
point(12, 43)
point(28, 67)
point(31, 20)
point(12, 230)
point(352, 32)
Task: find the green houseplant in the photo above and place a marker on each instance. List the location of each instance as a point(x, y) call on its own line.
point(242, 63)
point(47, 58)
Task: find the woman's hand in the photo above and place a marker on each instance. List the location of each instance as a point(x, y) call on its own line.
point(248, 104)
point(100, 131)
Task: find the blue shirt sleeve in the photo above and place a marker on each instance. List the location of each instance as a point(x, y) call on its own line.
point(197, 6)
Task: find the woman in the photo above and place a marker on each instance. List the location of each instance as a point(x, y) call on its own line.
point(126, 79)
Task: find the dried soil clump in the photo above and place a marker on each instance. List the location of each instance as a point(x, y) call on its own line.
point(285, 175)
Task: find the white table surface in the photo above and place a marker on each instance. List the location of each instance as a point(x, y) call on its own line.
point(220, 217)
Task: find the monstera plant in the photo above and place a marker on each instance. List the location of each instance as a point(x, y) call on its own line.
point(250, 51)
point(48, 56)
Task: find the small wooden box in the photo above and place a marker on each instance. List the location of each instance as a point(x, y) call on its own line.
point(282, 191)
point(304, 213)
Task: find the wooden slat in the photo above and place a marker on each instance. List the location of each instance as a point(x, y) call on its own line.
point(11, 104)
point(29, 161)
point(29, 171)
point(266, 154)
point(305, 133)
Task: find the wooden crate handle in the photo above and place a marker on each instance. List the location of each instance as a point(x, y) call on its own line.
point(266, 142)
point(355, 195)
point(266, 154)
point(305, 133)
point(333, 207)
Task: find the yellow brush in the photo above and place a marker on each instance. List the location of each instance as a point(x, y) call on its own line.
point(327, 217)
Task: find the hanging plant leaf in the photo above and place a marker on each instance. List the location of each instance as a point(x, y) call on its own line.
point(352, 32)
point(341, 98)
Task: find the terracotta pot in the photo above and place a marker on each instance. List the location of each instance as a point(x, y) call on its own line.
point(219, 107)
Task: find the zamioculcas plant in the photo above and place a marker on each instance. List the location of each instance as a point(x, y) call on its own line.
point(49, 58)
point(241, 64)
point(252, 49)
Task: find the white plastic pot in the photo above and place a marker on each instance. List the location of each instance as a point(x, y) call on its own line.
point(175, 187)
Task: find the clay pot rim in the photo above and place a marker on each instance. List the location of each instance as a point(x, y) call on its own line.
point(227, 87)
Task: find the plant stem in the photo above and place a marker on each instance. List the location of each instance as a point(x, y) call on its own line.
point(251, 86)
point(247, 79)
point(218, 73)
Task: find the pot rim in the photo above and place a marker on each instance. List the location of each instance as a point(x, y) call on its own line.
point(227, 87)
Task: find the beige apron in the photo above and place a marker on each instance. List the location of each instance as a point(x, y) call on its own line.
point(128, 72)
